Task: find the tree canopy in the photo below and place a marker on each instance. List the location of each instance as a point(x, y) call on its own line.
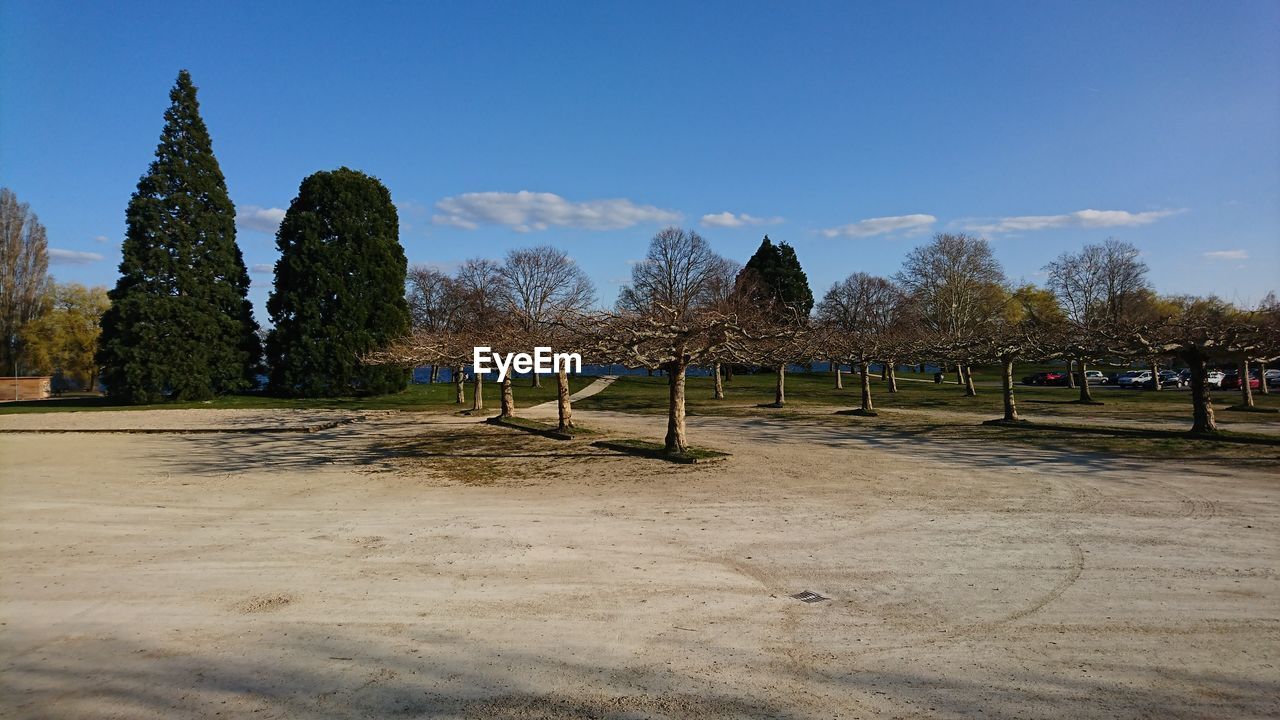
point(339, 288)
point(24, 274)
point(774, 276)
point(180, 323)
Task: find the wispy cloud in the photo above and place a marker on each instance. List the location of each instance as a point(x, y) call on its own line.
point(262, 269)
point(410, 207)
point(524, 211)
point(728, 219)
point(1227, 254)
point(72, 257)
point(101, 239)
point(905, 224)
point(264, 220)
point(1079, 218)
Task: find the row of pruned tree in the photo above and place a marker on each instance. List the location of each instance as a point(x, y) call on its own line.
point(950, 304)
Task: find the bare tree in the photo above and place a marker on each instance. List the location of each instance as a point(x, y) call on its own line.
point(1028, 326)
point(1202, 330)
point(24, 274)
point(725, 299)
point(861, 315)
point(436, 304)
point(667, 318)
point(480, 283)
point(544, 285)
point(1097, 289)
point(958, 285)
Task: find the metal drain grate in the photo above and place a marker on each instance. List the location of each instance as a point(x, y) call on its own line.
point(809, 597)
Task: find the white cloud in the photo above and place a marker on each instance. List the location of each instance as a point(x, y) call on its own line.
point(264, 220)
point(728, 219)
point(101, 239)
point(524, 211)
point(262, 269)
point(72, 257)
point(906, 224)
point(1079, 218)
point(1227, 255)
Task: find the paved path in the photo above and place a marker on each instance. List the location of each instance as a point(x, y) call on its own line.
point(598, 386)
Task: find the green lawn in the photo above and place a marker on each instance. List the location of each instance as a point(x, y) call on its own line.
point(811, 390)
point(437, 397)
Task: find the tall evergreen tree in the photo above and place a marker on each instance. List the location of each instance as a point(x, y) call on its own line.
point(774, 274)
point(180, 324)
point(339, 288)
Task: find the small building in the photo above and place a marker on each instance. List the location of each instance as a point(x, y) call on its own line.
point(38, 387)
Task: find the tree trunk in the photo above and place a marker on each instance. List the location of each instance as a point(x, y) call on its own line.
point(1086, 396)
point(675, 442)
point(537, 381)
point(864, 369)
point(893, 377)
point(780, 389)
point(884, 371)
point(434, 375)
point(959, 374)
point(459, 385)
point(1071, 376)
point(508, 402)
point(1246, 392)
point(1201, 402)
point(839, 375)
point(969, 390)
point(650, 371)
point(719, 384)
point(728, 373)
point(1262, 374)
point(562, 400)
point(477, 391)
point(1155, 376)
point(1006, 383)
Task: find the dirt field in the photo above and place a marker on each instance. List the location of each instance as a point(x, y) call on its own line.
point(407, 566)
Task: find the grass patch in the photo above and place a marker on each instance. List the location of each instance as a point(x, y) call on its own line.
point(644, 448)
point(426, 397)
point(539, 428)
point(747, 393)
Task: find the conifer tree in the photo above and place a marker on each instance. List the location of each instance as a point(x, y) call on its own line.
point(339, 288)
point(180, 324)
point(775, 274)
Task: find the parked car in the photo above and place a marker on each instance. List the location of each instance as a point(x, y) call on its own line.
point(1168, 379)
point(1095, 377)
point(1133, 380)
point(1045, 378)
point(1232, 381)
point(1272, 377)
point(1214, 378)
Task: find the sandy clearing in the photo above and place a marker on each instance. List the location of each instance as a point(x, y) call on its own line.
point(344, 573)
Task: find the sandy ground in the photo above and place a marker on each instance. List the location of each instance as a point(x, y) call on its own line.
point(401, 567)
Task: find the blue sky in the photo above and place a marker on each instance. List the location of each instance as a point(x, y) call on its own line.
point(851, 130)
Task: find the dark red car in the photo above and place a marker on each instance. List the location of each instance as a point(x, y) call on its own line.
point(1231, 381)
point(1046, 378)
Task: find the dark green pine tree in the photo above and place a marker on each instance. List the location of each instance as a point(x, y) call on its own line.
point(339, 288)
point(180, 324)
point(774, 275)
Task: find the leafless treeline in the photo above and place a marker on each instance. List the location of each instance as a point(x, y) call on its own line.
point(951, 304)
